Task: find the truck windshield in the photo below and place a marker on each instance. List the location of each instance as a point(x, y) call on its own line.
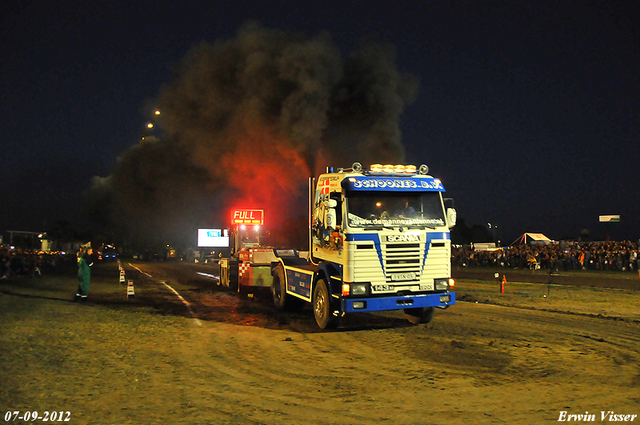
point(395, 209)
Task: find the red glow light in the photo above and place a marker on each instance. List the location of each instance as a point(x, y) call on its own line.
point(262, 170)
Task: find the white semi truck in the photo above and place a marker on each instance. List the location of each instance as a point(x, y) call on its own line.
point(379, 240)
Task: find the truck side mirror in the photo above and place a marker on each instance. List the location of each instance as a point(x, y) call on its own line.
point(452, 215)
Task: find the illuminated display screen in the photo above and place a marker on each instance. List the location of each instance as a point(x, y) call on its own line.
point(213, 238)
point(248, 217)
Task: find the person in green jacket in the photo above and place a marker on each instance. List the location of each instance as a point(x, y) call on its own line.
point(84, 275)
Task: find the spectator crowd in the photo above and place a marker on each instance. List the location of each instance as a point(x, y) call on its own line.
point(615, 256)
point(33, 263)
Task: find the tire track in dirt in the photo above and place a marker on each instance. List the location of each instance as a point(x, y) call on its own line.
point(558, 344)
point(618, 334)
point(316, 377)
point(248, 363)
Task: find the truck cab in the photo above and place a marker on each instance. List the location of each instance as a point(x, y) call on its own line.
point(379, 240)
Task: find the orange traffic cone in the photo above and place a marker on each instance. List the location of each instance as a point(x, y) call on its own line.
point(504, 281)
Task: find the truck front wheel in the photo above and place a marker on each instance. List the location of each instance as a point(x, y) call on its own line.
point(419, 315)
point(322, 306)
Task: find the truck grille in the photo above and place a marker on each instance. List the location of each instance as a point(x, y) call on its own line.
point(402, 259)
point(401, 262)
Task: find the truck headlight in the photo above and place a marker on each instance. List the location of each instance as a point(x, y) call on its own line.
point(442, 284)
point(359, 288)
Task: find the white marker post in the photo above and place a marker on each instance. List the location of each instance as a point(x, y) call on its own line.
point(130, 291)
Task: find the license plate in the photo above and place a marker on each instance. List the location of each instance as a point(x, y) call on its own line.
point(403, 276)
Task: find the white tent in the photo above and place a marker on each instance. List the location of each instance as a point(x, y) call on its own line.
point(532, 238)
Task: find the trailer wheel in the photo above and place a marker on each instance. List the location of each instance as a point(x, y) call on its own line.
point(419, 315)
point(278, 289)
point(322, 306)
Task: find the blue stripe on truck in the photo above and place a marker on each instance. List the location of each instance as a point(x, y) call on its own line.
point(398, 302)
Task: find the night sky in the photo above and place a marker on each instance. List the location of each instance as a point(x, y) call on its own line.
point(527, 111)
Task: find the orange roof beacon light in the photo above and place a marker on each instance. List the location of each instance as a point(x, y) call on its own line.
point(399, 169)
point(387, 168)
point(410, 169)
point(375, 168)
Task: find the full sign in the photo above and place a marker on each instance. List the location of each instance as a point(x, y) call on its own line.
point(248, 217)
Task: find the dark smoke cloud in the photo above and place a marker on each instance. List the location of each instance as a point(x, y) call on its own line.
point(244, 123)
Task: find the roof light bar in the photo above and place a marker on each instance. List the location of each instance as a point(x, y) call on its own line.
point(393, 169)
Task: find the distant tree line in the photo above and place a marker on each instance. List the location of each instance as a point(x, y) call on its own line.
point(462, 234)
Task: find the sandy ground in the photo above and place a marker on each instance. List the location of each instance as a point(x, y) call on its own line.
point(223, 359)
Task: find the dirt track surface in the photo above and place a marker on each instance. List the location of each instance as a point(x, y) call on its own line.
point(230, 360)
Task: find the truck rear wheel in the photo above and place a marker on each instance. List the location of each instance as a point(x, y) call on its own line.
point(322, 306)
point(419, 315)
